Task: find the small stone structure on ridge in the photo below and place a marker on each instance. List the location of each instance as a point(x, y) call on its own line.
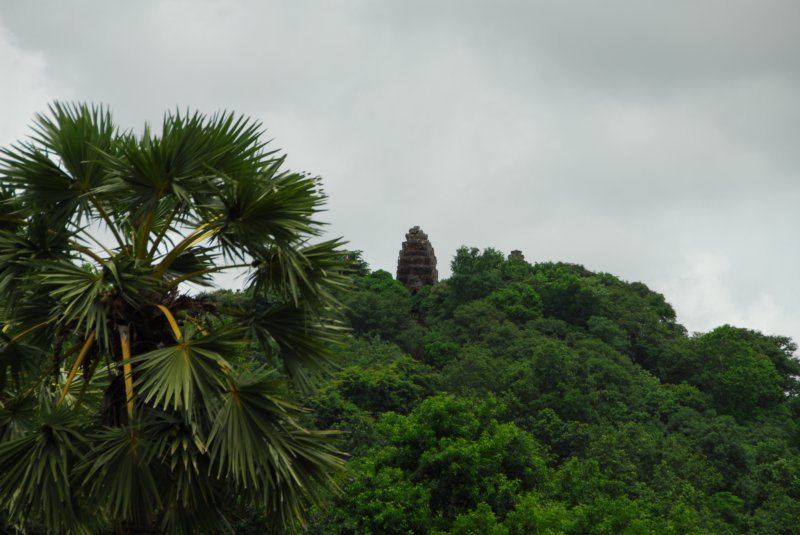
point(416, 265)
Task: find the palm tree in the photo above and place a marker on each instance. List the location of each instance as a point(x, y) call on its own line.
point(129, 401)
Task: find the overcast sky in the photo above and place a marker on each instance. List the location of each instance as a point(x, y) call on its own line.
point(658, 141)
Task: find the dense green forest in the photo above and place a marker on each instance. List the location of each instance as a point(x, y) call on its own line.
point(544, 398)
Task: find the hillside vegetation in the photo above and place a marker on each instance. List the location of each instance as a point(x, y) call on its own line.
point(544, 398)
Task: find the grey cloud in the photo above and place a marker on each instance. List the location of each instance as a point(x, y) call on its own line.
point(654, 140)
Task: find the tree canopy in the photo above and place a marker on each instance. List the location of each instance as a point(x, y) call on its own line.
point(546, 398)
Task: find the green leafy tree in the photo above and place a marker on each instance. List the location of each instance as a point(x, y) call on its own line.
point(381, 306)
point(448, 456)
point(535, 515)
point(397, 387)
point(518, 301)
point(481, 520)
point(739, 368)
point(645, 320)
point(474, 373)
point(120, 406)
point(568, 291)
point(476, 274)
point(381, 500)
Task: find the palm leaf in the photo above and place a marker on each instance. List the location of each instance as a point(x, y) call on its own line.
point(81, 295)
point(193, 265)
point(17, 415)
point(267, 207)
point(122, 471)
point(35, 485)
point(256, 442)
point(80, 135)
point(18, 360)
point(311, 274)
point(173, 377)
point(306, 344)
point(77, 137)
point(193, 496)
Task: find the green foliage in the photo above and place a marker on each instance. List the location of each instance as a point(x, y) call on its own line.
point(126, 403)
point(453, 454)
point(381, 307)
point(533, 514)
point(517, 301)
point(475, 275)
point(397, 387)
point(567, 291)
point(550, 399)
point(481, 520)
point(381, 500)
point(738, 368)
point(38, 465)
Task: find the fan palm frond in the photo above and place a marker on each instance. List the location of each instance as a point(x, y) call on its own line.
point(305, 344)
point(311, 274)
point(121, 475)
point(256, 440)
point(35, 483)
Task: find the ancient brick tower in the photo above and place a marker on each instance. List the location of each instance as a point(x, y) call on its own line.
point(416, 265)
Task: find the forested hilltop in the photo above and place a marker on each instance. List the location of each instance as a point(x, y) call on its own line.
point(544, 398)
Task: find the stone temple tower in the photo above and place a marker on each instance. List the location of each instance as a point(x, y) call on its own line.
point(416, 265)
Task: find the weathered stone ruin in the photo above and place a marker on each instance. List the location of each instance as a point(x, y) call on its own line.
point(516, 253)
point(416, 265)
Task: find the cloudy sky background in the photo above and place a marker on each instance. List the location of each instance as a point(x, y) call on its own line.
point(658, 141)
